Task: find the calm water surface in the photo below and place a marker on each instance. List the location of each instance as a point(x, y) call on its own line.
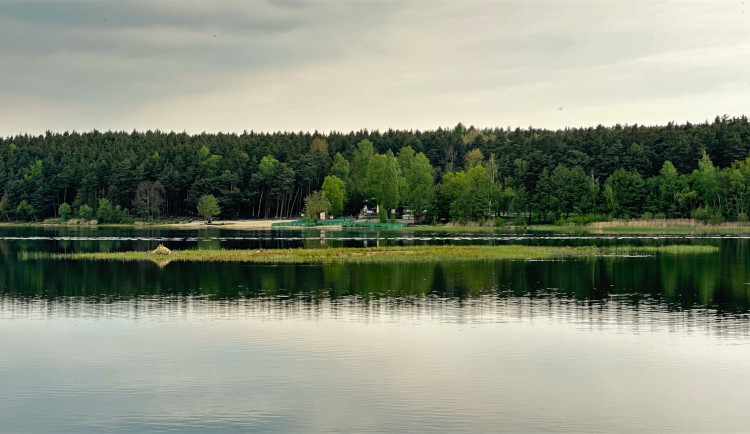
point(618, 344)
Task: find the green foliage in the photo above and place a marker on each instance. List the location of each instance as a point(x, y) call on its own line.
point(384, 181)
point(671, 186)
point(208, 206)
point(582, 220)
point(85, 212)
point(64, 211)
point(341, 169)
point(542, 174)
point(105, 212)
point(707, 215)
point(315, 203)
point(25, 212)
point(470, 194)
point(473, 158)
point(149, 199)
point(33, 173)
point(418, 192)
point(362, 155)
point(705, 181)
point(4, 204)
point(334, 190)
point(572, 191)
point(624, 192)
point(320, 146)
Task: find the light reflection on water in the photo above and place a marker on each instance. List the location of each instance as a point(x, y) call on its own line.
point(618, 312)
point(284, 364)
point(606, 344)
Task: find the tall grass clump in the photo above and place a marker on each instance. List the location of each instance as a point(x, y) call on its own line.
point(583, 220)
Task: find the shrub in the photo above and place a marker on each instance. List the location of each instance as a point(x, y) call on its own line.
point(647, 216)
point(106, 212)
point(65, 212)
point(707, 215)
point(25, 211)
point(583, 220)
point(85, 212)
point(315, 203)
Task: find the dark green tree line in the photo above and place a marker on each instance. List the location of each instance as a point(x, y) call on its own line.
point(454, 173)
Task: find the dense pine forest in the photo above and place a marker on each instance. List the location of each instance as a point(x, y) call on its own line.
point(461, 174)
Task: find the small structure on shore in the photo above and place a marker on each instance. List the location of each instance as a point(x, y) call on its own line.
point(161, 250)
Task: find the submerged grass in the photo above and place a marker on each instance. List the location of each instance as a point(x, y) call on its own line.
point(384, 254)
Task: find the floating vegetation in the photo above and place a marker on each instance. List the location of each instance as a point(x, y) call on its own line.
point(387, 254)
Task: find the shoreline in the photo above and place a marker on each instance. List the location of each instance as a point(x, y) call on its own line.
point(624, 227)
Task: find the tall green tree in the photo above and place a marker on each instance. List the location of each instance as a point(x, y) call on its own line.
point(625, 192)
point(334, 190)
point(149, 199)
point(419, 185)
point(670, 184)
point(473, 158)
point(705, 181)
point(384, 181)
point(208, 207)
point(362, 155)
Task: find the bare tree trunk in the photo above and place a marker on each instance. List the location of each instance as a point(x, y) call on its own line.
point(294, 200)
point(260, 201)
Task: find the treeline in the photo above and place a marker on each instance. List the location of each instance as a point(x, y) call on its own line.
point(460, 173)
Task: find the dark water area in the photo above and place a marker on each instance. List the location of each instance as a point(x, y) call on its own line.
point(652, 343)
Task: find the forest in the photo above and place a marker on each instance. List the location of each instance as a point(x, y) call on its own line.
point(456, 174)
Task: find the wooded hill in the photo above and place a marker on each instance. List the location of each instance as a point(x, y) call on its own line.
point(460, 173)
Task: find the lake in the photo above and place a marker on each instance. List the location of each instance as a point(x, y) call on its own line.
point(657, 343)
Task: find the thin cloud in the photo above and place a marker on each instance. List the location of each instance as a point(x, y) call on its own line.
point(285, 65)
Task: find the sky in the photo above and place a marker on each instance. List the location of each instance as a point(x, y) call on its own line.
point(326, 65)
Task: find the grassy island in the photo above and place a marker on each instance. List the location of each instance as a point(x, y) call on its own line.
point(387, 254)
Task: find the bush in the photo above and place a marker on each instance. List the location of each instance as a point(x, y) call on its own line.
point(85, 212)
point(742, 217)
point(499, 222)
point(583, 220)
point(659, 216)
point(707, 215)
point(106, 212)
point(647, 216)
point(25, 211)
point(65, 212)
point(315, 203)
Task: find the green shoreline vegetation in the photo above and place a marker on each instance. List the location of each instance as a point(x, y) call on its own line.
point(492, 175)
point(382, 254)
point(631, 227)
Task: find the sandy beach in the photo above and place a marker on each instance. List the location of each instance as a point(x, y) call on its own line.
point(228, 224)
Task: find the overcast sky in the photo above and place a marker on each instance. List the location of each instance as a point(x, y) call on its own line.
point(346, 65)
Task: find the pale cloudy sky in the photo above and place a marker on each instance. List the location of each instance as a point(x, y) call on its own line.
point(223, 65)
